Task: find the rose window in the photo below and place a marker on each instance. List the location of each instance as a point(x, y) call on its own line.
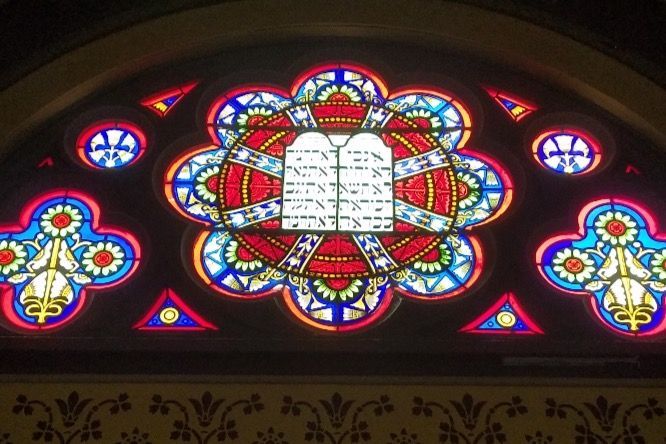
point(337, 195)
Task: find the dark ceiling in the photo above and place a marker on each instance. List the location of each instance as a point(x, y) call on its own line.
point(36, 31)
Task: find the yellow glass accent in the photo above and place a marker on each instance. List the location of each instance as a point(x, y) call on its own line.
point(160, 106)
point(517, 111)
point(506, 319)
point(169, 315)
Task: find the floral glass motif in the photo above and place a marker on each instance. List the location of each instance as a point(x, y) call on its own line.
point(55, 255)
point(618, 260)
point(336, 194)
point(567, 151)
point(111, 144)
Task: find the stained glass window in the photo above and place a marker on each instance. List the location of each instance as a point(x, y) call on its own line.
point(107, 145)
point(164, 101)
point(341, 193)
point(505, 316)
point(618, 260)
point(55, 255)
point(329, 208)
point(171, 313)
point(567, 151)
point(515, 108)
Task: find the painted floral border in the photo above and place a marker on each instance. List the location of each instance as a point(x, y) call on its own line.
point(131, 413)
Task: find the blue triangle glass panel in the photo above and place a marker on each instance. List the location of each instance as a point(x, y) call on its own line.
point(170, 313)
point(505, 316)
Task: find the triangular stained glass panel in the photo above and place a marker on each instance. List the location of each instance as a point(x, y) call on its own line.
point(504, 317)
point(164, 101)
point(515, 107)
point(169, 312)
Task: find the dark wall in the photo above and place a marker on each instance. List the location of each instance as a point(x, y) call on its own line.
point(32, 32)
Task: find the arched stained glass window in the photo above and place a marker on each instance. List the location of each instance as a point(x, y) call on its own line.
point(275, 200)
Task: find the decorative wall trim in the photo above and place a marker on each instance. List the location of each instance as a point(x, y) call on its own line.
point(127, 412)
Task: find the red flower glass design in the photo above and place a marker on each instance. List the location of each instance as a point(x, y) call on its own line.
point(55, 255)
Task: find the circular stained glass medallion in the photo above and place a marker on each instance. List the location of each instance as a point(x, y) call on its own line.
point(111, 145)
point(567, 151)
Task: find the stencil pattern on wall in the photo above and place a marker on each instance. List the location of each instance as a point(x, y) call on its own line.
point(280, 413)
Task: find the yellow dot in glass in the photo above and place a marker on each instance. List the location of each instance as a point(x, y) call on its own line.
point(506, 319)
point(169, 315)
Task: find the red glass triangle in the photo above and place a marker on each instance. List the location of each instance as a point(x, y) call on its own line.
point(516, 108)
point(164, 101)
point(169, 312)
point(505, 316)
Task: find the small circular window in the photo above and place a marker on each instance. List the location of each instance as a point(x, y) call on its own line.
point(110, 144)
point(567, 151)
